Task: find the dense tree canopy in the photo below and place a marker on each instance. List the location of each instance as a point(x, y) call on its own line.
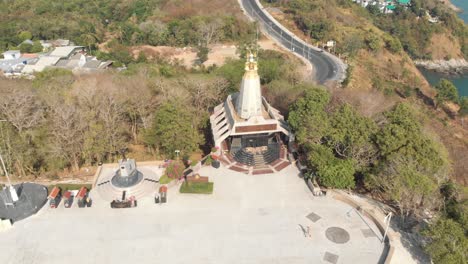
point(446, 91)
point(405, 29)
point(395, 157)
point(449, 243)
point(174, 129)
point(412, 166)
point(134, 22)
point(61, 121)
point(308, 117)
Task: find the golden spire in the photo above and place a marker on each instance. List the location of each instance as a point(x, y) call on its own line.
point(251, 63)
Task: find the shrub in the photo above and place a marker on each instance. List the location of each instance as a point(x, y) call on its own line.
point(164, 179)
point(209, 160)
point(337, 174)
point(175, 170)
point(197, 187)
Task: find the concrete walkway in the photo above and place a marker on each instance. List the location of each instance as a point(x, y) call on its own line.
point(248, 219)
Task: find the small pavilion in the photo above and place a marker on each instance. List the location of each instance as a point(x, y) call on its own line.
point(251, 134)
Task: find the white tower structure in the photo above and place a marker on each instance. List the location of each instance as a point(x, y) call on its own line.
point(249, 101)
point(247, 112)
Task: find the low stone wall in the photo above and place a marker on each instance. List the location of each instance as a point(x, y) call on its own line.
point(389, 248)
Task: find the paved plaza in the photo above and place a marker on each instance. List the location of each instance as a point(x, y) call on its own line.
point(248, 219)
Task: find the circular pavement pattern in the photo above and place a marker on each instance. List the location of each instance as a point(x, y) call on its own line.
point(337, 235)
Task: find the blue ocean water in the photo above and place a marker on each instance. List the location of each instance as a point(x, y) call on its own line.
point(461, 82)
point(463, 4)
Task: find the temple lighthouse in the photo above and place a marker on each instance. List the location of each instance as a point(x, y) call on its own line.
point(249, 102)
point(246, 128)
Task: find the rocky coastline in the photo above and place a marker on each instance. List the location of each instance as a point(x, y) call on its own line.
point(448, 67)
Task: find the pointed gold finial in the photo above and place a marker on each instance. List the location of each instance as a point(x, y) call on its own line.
point(251, 63)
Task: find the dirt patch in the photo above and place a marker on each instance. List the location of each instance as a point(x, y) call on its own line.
point(187, 56)
point(183, 9)
point(444, 47)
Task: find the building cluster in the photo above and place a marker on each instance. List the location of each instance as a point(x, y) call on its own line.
point(56, 54)
point(385, 6)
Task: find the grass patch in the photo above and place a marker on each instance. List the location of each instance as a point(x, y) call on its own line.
point(68, 186)
point(165, 179)
point(197, 187)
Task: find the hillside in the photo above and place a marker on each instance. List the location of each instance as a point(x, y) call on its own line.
point(382, 71)
point(134, 22)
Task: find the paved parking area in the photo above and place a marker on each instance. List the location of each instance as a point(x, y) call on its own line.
point(248, 219)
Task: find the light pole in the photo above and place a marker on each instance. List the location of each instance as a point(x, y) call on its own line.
point(13, 194)
point(387, 221)
point(177, 152)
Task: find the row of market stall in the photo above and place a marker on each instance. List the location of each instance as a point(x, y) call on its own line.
point(69, 197)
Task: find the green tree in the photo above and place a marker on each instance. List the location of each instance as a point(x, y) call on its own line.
point(373, 41)
point(351, 135)
point(332, 172)
point(446, 91)
point(374, 10)
point(411, 165)
point(25, 47)
point(202, 54)
point(448, 242)
point(174, 129)
point(393, 44)
point(232, 71)
point(463, 106)
point(24, 35)
point(307, 117)
point(399, 131)
point(37, 47)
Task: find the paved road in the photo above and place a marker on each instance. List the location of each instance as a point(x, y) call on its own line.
point(326, 66)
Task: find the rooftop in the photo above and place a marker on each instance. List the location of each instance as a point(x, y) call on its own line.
point(11, 52)
point(64, 52)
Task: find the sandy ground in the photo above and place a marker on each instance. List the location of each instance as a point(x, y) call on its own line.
point(188, 56)
point(218, 54)
point(248, 219)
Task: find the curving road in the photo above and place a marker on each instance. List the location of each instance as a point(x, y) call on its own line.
point(327, 67)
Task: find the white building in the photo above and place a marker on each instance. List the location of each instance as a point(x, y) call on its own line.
point(246, 129)
point(11, 55)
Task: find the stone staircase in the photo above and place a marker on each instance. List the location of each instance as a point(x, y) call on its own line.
point(259, 161)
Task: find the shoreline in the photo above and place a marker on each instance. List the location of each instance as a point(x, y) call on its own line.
point(453, 67)
point(451, 6)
